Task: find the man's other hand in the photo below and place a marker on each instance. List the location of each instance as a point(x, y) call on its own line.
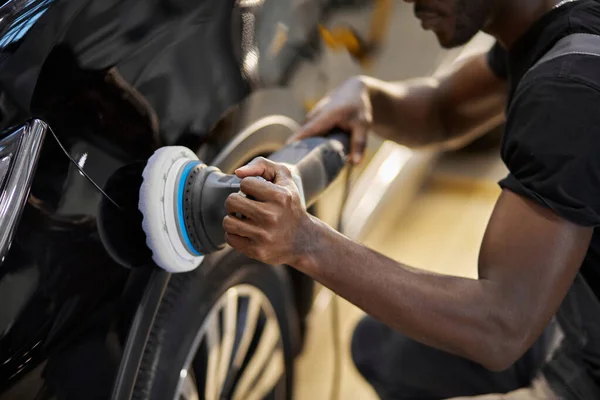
point(275, 226)
point(349, 108)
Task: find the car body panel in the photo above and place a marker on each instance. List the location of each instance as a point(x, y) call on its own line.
point(57, 283)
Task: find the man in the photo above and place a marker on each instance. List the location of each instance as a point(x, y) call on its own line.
point(450, 336)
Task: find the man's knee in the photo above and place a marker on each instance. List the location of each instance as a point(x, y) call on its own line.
point(360, 348)
point(399, 367)
point(388, 360)
point(376, 346)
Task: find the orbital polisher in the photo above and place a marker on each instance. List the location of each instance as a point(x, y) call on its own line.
point(182, 200)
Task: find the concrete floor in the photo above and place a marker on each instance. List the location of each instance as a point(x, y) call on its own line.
point(450, 216)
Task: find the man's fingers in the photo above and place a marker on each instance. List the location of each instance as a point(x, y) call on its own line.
point(267, 169)
point(318, 107)
point(358, 143)
point(239, 243)
point(259, 189)
point(308, 128)
point(237, 203)
point(247, 241)
point(238, 227)
point(256, 167)
point(260, 166)
point(319, 125)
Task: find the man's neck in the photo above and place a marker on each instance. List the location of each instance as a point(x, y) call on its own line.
point(512, 18)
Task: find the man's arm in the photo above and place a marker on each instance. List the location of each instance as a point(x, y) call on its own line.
point(451, 109)
point(528, 260)
point(460, 106)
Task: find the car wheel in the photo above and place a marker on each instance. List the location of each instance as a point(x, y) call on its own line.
point(226, 331)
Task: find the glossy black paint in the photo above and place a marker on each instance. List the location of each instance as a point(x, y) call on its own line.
point(59, 286)
point(115, 80)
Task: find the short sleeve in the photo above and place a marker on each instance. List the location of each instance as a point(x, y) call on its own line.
point(552, 147)
point(497, 59)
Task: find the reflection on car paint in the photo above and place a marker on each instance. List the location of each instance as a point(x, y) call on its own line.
point(21, 149)
point(17, 17)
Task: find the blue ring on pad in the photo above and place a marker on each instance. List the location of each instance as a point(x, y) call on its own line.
point(184, 175)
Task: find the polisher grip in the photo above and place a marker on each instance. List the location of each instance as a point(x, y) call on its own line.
point(317, 161)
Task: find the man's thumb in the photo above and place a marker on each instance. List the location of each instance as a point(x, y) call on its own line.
point(249, 170)
point(257, 167)
point(314, 127)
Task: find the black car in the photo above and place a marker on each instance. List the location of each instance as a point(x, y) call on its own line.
point(89, 88)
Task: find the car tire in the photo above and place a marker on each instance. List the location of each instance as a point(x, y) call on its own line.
point(217, 305)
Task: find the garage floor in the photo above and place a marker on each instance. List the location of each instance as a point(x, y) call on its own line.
point(449, 216)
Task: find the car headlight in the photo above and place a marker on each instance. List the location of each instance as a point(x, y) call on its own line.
point(19, 152)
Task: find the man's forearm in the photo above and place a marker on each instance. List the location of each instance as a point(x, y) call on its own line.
point(454, 314)
point(450, 109)
point(406, 112)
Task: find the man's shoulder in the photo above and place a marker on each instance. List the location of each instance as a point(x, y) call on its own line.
point(559, 99)
point(551, 139)
point(574, 58)
point(563, 73)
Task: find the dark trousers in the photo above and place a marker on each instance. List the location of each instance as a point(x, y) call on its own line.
point(400, 368)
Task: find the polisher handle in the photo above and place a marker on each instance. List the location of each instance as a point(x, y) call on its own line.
point(317, 161)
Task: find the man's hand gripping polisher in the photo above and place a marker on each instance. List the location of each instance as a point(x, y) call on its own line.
point(182, 200)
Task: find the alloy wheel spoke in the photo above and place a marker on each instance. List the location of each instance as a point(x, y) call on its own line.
point(237, 353)
point(269, 378)
point(229, 329)
point(213, 342)
point(268, 341)
point(252, 314)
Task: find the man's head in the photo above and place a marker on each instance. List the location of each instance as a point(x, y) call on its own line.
point(454, 22)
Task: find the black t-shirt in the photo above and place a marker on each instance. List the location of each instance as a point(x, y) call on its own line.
point(551, 143)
